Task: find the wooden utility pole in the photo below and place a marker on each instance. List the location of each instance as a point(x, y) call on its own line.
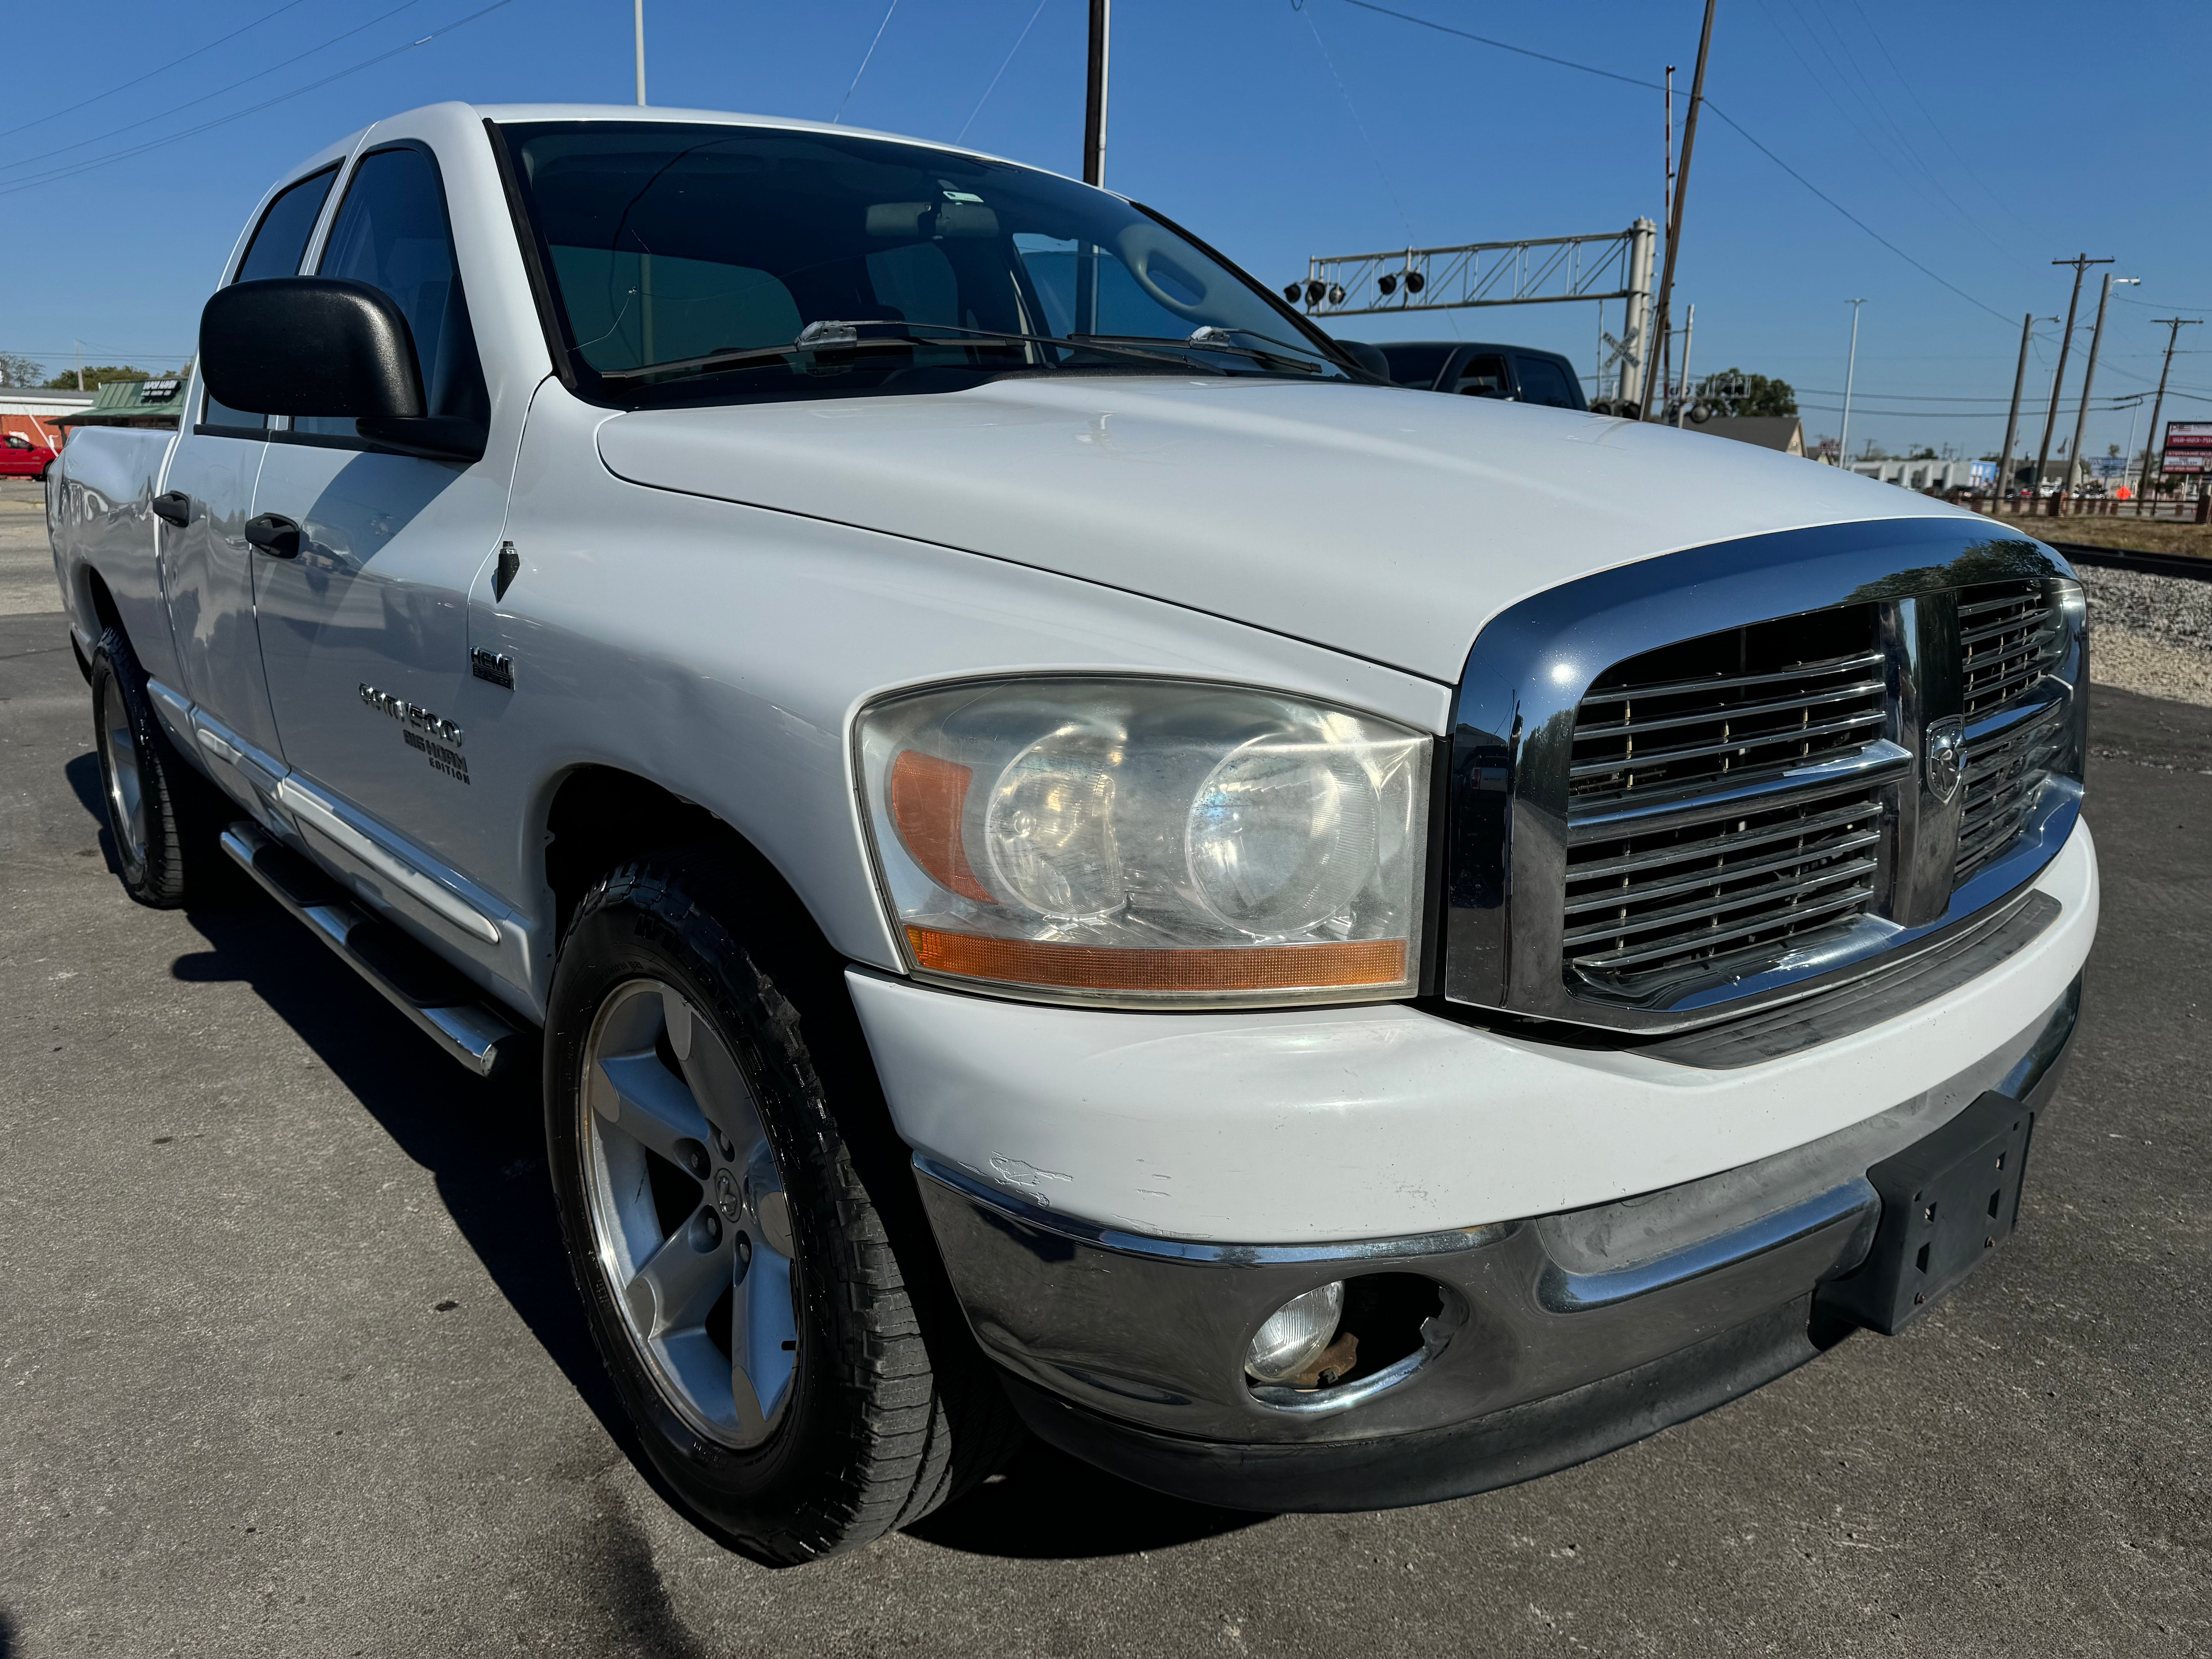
point(1094, 102)
point(2174, 327)
point(2081, 264)
point(2012, 420)
point(2089, 371)
point(1681, 189)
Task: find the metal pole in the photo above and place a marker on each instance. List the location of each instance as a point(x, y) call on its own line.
point(2012, 420)
point(1667, 213)
point(638, 8)
point(1681, 189)
point(79, 345)
point(2081, 264)
point(2174, 325)
point(1851, 372)
point(1689, 330)
point(1094, 102)
point(1637, 358)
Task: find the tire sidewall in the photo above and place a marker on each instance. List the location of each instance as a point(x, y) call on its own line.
point(749, 1494)
point(115, 675)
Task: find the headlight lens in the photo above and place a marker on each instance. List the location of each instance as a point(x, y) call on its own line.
point(1149, 842)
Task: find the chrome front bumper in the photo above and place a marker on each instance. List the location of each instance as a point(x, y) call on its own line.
point(1566, 1334)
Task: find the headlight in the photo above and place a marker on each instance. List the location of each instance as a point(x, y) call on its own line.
point(1153, 842)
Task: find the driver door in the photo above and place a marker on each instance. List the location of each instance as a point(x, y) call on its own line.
point(364, 630)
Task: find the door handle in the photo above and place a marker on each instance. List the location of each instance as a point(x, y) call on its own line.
point(275, 535)
point(173, 508)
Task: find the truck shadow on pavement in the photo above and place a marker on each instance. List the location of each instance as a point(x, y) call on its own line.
point(482, 1143)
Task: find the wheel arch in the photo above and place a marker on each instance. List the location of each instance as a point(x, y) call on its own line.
point(597, 817)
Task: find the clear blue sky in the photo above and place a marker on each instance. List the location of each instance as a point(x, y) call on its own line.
point(1984, 141)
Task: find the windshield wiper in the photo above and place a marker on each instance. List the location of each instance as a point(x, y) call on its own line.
point(1211, 338)
point(835, 336)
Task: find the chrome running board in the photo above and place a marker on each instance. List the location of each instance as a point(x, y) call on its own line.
point(410, 978)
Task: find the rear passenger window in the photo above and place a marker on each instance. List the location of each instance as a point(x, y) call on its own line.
point(393, 233)
point(279, 243)
point(1543, 382)
point(1484, 377)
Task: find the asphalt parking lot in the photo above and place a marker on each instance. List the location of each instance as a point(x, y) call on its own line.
point(289, 1365)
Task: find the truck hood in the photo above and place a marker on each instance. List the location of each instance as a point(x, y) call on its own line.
point(1385, 523)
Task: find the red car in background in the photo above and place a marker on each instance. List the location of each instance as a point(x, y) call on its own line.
point(20, 458)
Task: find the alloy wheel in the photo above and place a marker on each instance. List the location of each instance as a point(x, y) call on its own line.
point(690, 1220)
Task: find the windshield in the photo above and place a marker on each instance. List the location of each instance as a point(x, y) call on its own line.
point(686, 260)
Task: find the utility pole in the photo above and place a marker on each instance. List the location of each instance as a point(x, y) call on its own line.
point(2012, 420)
point(638, 9)
point(79, 345)
point(2081, 264)
point(1094, 102)
point(2174, 327)
point(1681, 189)
point(2089, 372)
point(1851, 370)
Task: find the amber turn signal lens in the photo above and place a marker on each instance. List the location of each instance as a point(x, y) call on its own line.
point(929, 797)
point(1094, 968)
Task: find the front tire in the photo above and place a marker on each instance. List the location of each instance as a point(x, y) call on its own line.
point(743, 1225)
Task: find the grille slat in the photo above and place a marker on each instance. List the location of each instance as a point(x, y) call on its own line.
point(1747, 745)
point(1762, 895)
point(1734, 843)
point(1745, 711)
point(1754, 933)
point(1721, 683)
point(1705, 881)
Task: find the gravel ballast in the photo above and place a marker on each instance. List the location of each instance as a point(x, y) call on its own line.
point(2150, 634)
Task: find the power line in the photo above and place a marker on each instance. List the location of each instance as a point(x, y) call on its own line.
point(205, 97)
point(1344, 92)
point(1742, 132)
point(73, 170)
point(163, 69)
point(866, 59)
point(1003, 68)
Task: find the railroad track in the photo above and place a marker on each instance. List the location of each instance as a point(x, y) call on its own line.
point(2127, 558)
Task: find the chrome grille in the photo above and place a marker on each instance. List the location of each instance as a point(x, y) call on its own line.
point(2010, 635)
point(1659, 881)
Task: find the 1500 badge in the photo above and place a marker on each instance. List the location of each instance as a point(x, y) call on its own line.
point(439, 738)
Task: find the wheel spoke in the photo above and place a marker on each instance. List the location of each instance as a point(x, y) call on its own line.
point(679, 1283)
point(720, 1088)
point(763, 1340)
point(645, 1100)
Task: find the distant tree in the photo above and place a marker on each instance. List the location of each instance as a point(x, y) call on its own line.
point(1732, 392)
point(16, 370)
point(1922, 454)
point(98, 376)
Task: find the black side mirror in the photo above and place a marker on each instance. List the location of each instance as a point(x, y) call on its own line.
point(309, 345)
point(321, 345)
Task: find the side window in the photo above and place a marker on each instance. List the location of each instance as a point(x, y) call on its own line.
point(1484, 376)
point(393, 233)
point(279, 244)
point(1543, 382)
point(1416, 366)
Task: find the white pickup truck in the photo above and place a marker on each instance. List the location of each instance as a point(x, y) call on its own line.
point(1069, 859)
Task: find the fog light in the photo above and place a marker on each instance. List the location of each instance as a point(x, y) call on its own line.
point(1295, 1334)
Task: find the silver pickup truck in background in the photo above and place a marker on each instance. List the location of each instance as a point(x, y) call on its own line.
point(1069, 859)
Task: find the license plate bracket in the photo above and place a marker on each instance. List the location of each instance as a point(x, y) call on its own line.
point(1947, 1201)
